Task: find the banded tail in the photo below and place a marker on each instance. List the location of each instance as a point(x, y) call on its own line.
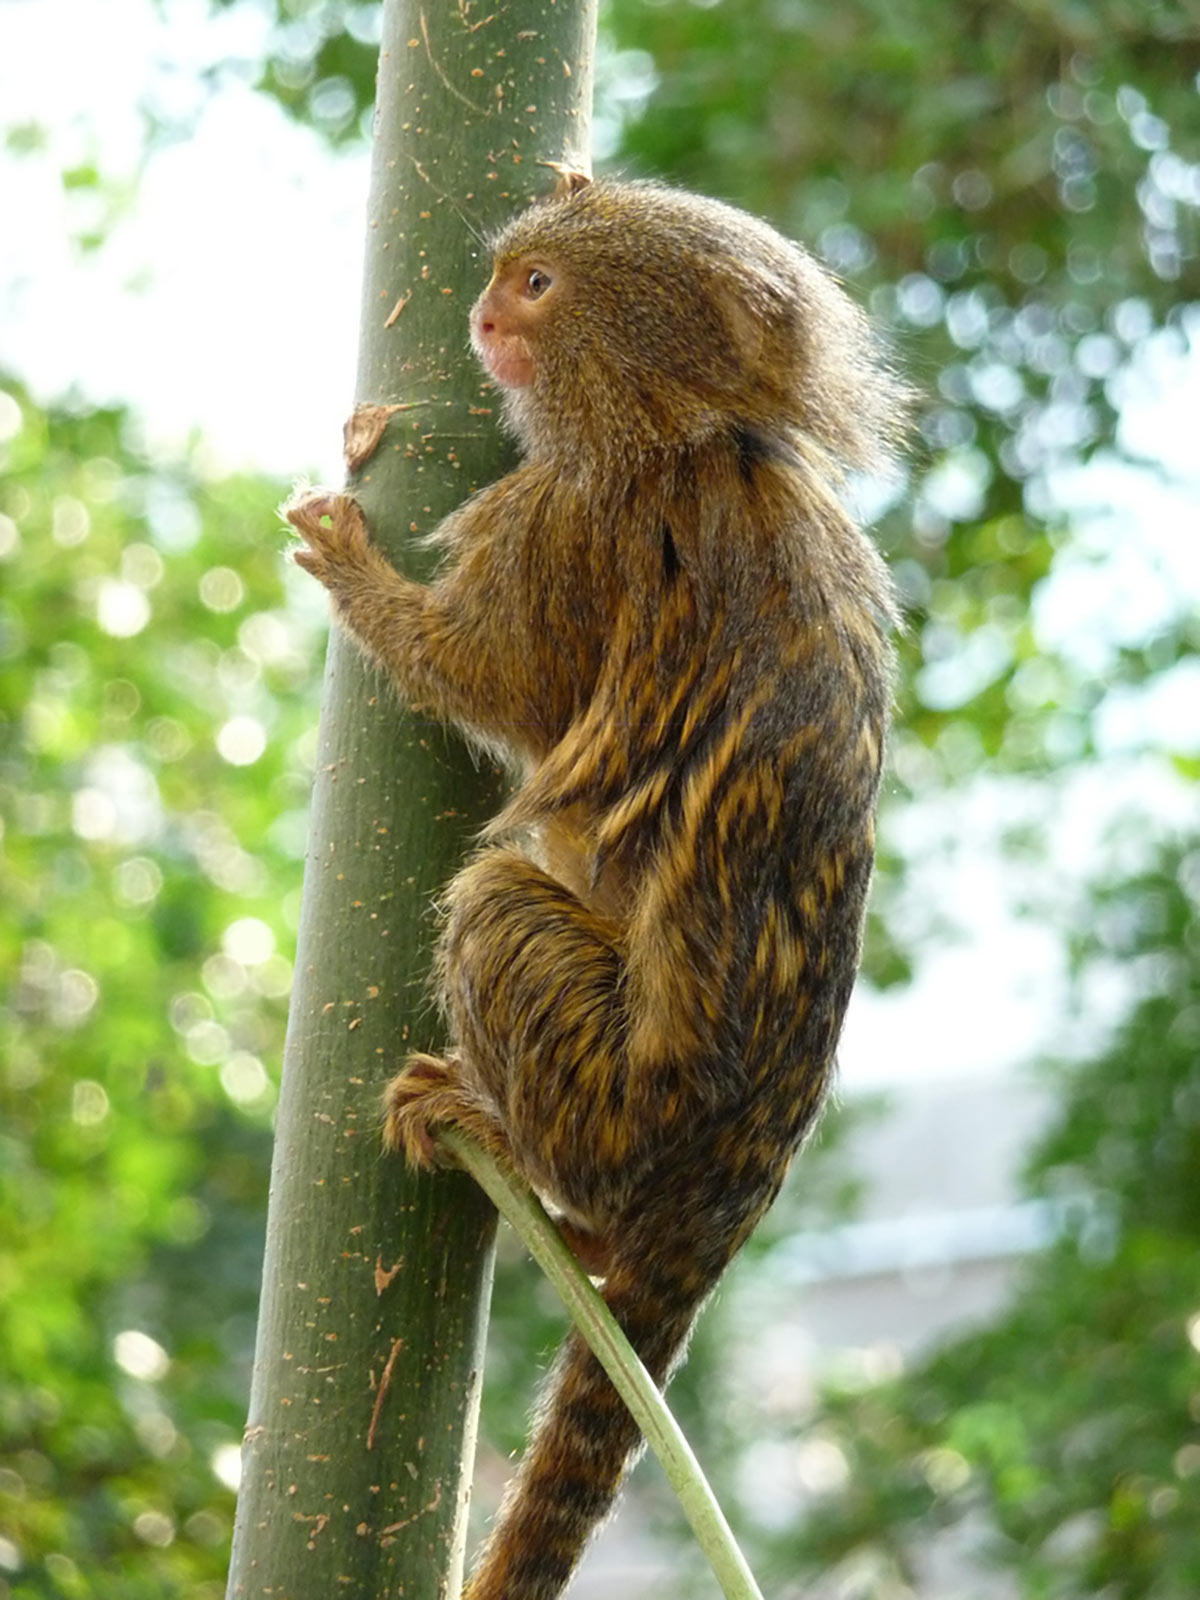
point(584, 1439)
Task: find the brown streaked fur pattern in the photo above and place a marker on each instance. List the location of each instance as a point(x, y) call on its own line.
point(669, 623)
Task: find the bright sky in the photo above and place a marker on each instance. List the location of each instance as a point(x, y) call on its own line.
point(226, 300)
point(226, 297)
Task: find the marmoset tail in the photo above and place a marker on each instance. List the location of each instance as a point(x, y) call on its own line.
point(668, 622)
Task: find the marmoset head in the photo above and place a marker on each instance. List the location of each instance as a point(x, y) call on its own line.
point(628, 317)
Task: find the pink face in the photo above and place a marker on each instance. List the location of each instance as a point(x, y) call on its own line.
point(506, 319)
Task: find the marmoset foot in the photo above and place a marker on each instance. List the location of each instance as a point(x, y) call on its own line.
point(419, 1100)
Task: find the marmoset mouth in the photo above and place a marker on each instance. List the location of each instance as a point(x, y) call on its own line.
point(508, 361)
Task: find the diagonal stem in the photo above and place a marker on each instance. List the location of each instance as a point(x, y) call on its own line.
point(618, 1358)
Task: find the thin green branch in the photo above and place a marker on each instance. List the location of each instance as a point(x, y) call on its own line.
point(618, 1358)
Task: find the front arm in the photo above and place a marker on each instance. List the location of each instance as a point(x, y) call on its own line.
point(452, 647)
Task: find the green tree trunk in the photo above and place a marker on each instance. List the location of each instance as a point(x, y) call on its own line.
point(360, 1440)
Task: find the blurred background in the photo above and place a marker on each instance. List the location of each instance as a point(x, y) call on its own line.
point(962, 1357)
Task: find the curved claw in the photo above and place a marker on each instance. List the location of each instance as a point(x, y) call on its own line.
point(330, 524)
point(305, 510)
point(416, 1103)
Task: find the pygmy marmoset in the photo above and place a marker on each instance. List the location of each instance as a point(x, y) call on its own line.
point(669, 623)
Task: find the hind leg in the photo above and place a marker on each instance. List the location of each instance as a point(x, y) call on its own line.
point(532, 981)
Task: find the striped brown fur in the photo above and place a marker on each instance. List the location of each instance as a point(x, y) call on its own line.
point(669, 624)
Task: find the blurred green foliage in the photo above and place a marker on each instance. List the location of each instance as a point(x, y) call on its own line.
point(156, 717)
point(1065, 1436)
point(1014, 189)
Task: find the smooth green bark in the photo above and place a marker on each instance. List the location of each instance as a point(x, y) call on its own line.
point(360, 1439)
